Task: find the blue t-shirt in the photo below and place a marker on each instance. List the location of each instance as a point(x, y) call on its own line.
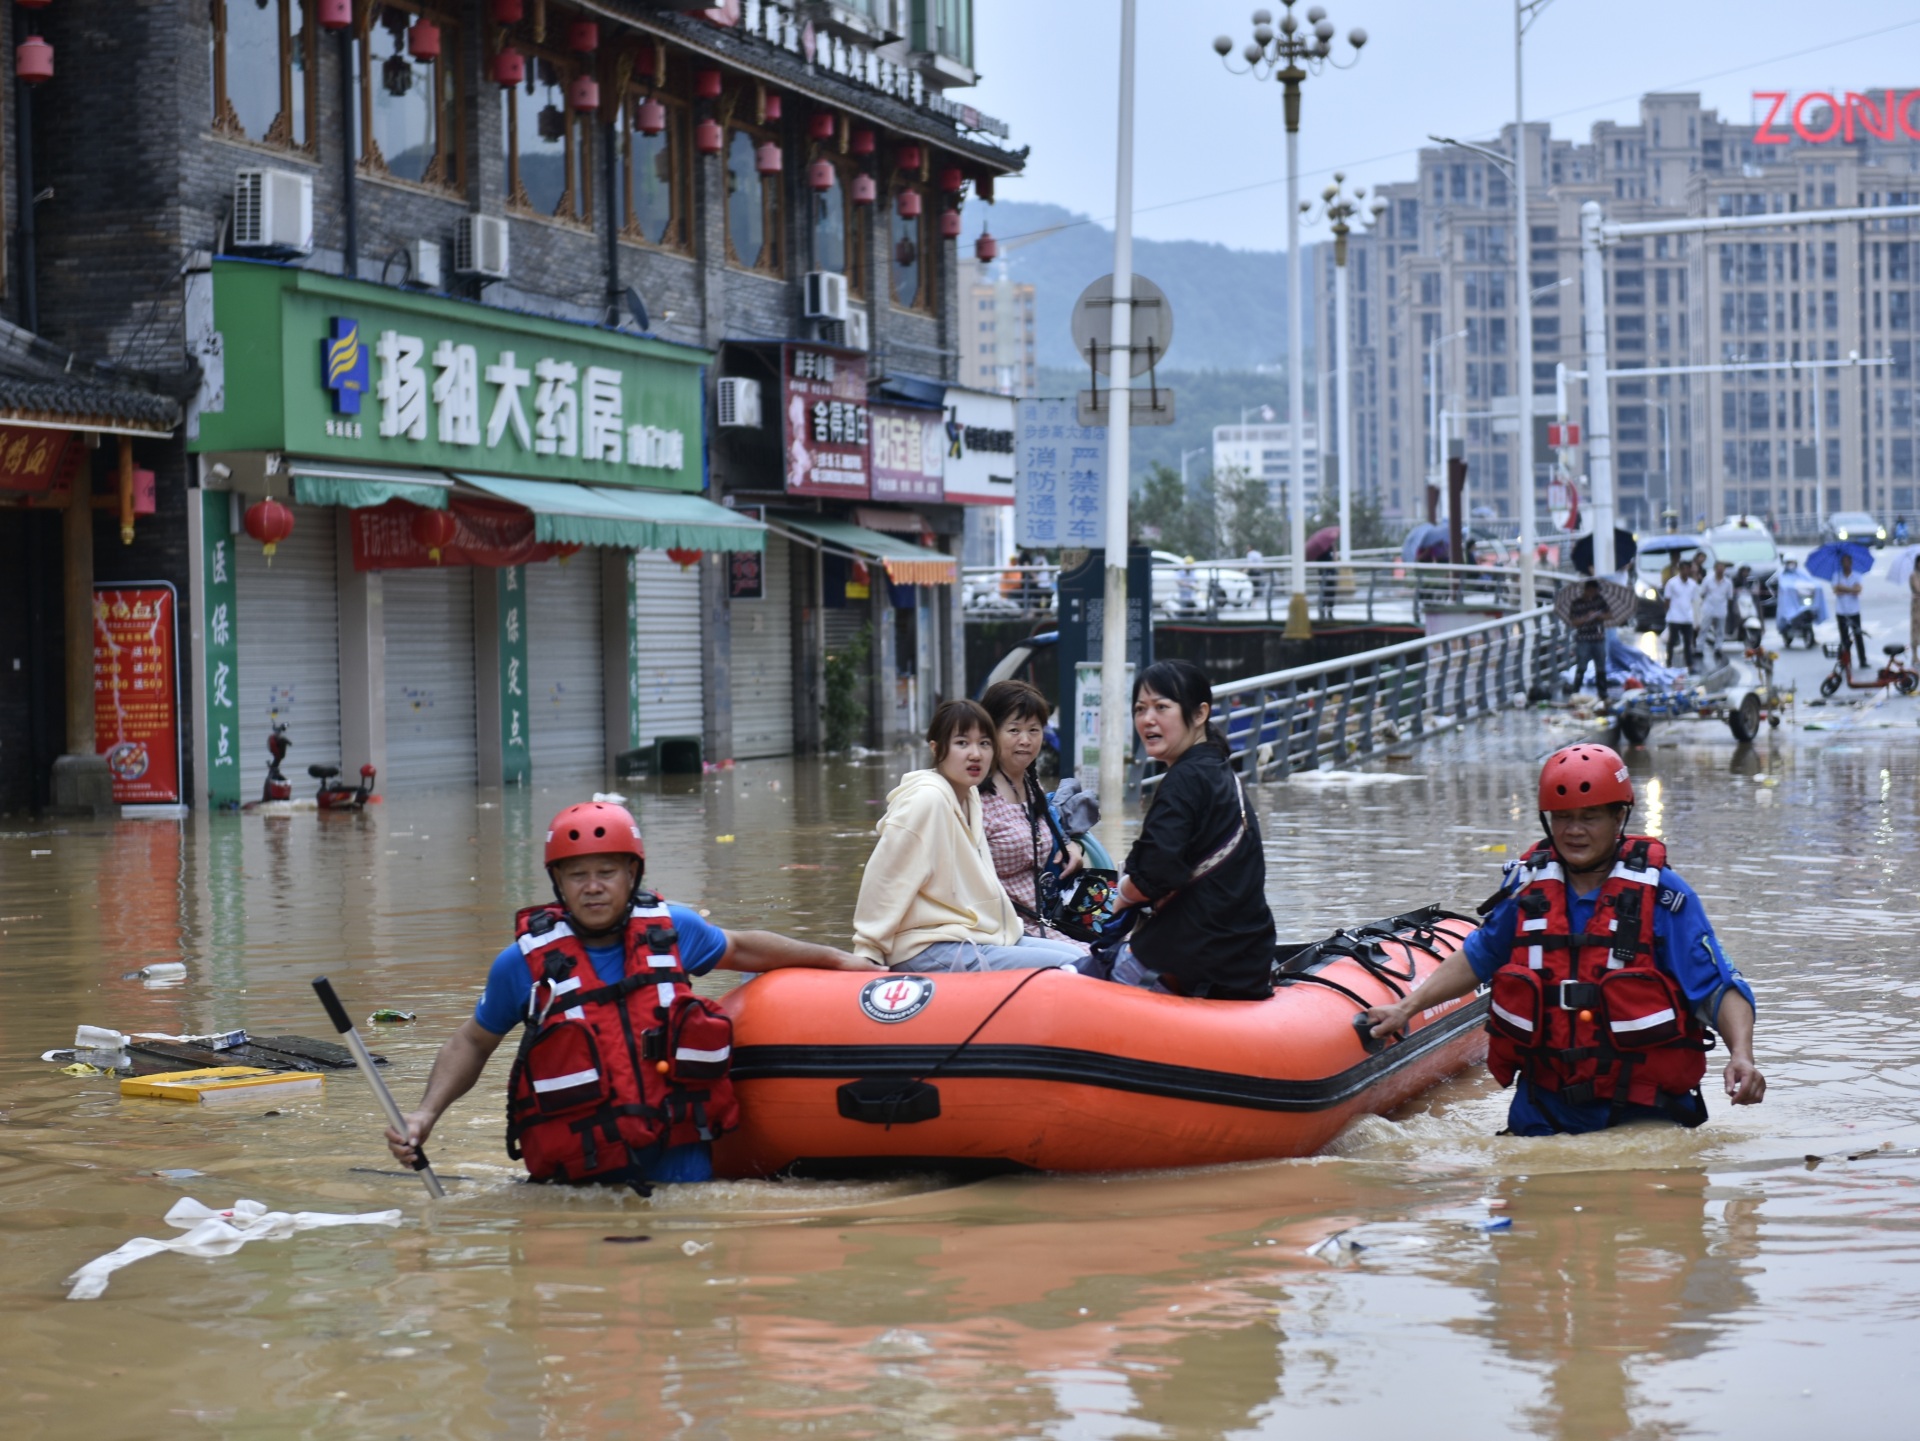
point(1684, 946)
point(503, 1005)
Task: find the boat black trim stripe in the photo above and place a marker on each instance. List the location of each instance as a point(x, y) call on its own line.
point(1094, 1068)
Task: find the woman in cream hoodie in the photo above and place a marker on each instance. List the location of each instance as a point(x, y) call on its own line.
point(930, 900)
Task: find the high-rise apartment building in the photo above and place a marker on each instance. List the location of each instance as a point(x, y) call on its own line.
point(1435, 353)
point(1266, 451)
point(996, 331)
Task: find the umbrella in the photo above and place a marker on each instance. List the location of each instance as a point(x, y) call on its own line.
point(1620, 602)
point(1424, 538)
point(1321, 543)
point(1902, 566)
point(1625, 547)
point(1825, 560)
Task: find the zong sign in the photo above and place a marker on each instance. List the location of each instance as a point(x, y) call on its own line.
point(1818, 118)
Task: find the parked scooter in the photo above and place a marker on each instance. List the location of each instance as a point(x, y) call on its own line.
point(338, 796)
point(1895, 672)
point(278, 787)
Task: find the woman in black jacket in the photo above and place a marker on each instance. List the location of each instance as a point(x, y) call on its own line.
point(1198, 861)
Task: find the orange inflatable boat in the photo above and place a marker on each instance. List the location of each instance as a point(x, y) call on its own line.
point(1052, 1071)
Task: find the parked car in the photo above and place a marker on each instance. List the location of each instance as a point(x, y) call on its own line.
point(1746, 541)
point(1187, 587)
point(1657, 555)
point(1854, 525)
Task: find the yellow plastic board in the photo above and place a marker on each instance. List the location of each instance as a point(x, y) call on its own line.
point(223, 1083)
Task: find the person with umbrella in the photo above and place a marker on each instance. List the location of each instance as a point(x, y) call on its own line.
point(1320, 545)
point(1841, 564)
point(1590, 609)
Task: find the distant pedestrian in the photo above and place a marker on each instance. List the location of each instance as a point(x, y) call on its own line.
point(1717, 619)
point(1588, 615)
point(1683, 600)
point(1846, 608)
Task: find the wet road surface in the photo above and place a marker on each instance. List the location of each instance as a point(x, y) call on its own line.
point(1653, 1283)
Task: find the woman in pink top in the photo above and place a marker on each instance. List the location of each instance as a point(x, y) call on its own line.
point(1014, 808)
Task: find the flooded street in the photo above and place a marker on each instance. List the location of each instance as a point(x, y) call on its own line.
point(1653, 1282)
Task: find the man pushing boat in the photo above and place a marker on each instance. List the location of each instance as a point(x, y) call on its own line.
point(1607, 979)
point(622, 1074)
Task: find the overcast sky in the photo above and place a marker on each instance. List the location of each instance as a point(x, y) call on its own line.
point(1051, 69)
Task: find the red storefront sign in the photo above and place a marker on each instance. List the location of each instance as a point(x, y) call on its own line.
point(136, 690)
point(823, 406)
point(909, 453)
point(38, 462)
point(485, 533)
point(1818, 118)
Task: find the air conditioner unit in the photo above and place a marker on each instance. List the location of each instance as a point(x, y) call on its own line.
point(273, 210)
point(480, 247)
point(858, 336)
point(826, 297)
point(423, 263)
point(739, 404)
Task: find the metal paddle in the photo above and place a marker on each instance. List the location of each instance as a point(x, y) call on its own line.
point(337, 1013)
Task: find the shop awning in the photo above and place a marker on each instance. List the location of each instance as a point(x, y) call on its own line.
point(625, 519)
point(905, 562)
point(357, 487)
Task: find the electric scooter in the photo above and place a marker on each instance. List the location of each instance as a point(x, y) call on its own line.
point(1895, 672)
point(278, 787)
point(338, 796)
point(1794, 615)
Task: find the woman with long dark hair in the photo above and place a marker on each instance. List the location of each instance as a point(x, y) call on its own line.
point(1030, 851)
point(1198, 862)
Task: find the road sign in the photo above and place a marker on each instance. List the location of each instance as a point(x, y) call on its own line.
point(1150, 406)
point(1152, 324)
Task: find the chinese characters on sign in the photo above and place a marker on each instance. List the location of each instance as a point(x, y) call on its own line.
point(824, 404)
point(136, 712)
point(909, 453)
point(516, 762)
point(746, 575)
point(37, 461)
point(1060, 477)
point(220, 649)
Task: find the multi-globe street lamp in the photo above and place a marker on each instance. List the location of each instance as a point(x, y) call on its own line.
point(1340, 208)
point(1289, 52)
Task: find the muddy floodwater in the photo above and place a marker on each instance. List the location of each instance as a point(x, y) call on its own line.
point(1654, 1283)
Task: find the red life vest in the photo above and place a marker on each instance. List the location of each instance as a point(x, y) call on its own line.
point(1590, 1016)
point(609, 1076)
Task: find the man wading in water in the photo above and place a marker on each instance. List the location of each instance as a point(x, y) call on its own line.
point(1606, 975)
point(622, 1073)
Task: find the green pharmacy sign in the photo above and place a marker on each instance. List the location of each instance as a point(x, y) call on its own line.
point(320, 367)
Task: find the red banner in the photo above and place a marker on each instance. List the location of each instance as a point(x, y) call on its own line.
point(136, 691)
point(823, 404)
point(491, 533)
point(37, 462)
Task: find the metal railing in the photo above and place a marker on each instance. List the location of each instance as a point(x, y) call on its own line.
point(1346, 709)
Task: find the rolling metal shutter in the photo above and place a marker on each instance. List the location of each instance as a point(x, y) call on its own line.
point(289, 651)
point(763, 661)
point(667, 621)
point(430, 688)
point(565, 666)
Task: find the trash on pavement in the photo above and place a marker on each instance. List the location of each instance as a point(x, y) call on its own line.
point(214, 1233)
point(81, 1068)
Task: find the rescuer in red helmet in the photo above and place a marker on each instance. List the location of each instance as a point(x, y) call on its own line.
point(622, 1073)
point(1606, 980)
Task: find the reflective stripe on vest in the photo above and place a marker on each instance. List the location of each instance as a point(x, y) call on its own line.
point(689, 1054)
point(1511, 1019)
point(567, 1082)
point(1642, 1023)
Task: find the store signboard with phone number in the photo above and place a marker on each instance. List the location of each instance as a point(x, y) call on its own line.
point(136, 690)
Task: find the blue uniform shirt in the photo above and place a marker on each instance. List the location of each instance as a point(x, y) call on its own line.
point(504, 1004)
point(1684, 946)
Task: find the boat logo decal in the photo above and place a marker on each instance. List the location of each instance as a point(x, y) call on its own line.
point(895, 998)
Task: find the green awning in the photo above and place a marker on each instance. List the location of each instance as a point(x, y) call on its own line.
point(905, 562)
point(566, 514)
point(357, 487)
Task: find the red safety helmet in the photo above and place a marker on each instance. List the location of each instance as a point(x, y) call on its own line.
point(595, 828)
point(1584, 775)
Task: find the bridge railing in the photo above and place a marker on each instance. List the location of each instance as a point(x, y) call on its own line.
point(1346, 709)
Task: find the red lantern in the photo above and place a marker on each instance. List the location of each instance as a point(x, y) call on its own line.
point(767, 159)
point(985, 248)
point(566, 551)
point(505, 12)
point(820, 175)
point(708, 138)
point(909, 204)
point(706, 84)
point(650, 117)
point(423, 40)
point(820, 125)
point(983, 189)
point(583, 37)
point(584, 93)
point(862, 142)
point(907, 157)
point(509, 68)
point(773, 108)
point(862, 191)
point(951, 179)
point(949, 225)
point(684, 558)
point(336, 14)
point(269, 522)
point(435, 529)
point(33, 61)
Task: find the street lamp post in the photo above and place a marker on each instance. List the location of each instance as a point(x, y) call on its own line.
point(1289, 54)
point(1340, 208)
